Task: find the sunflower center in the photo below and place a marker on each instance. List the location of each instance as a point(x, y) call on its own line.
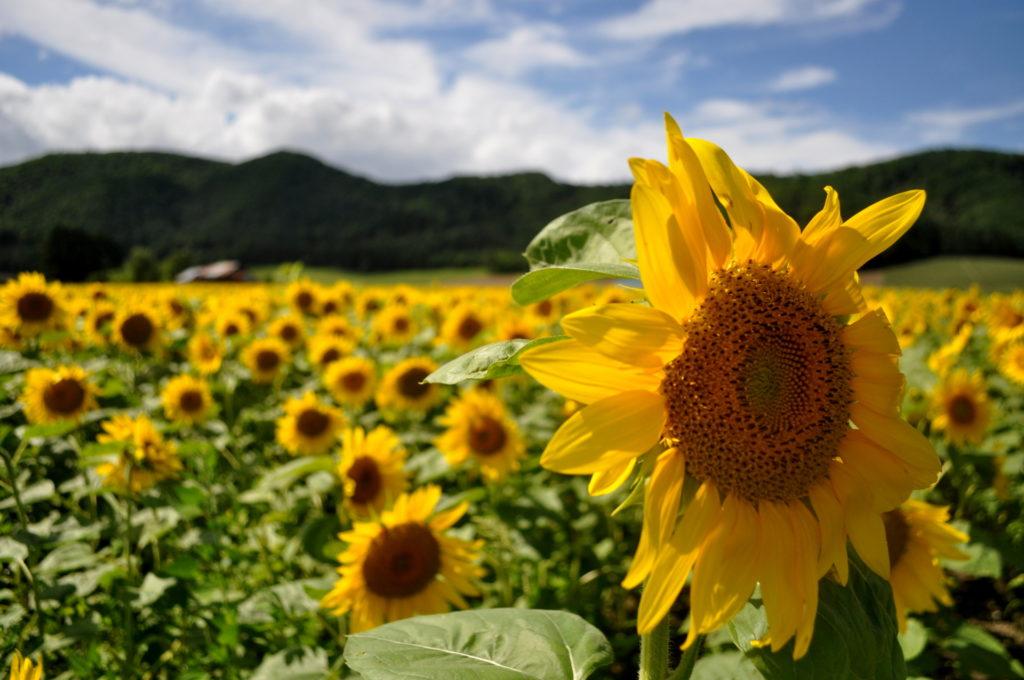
point(401, 324)
point(760, 397)
point(35, 307)
point(402, 560)
point(102, 319)
point(136, 330)
point(267, 360)
point(486, 436)
point(313, 422)
point(330, 307)
point(332, 354)
point(544, 308)
point(366, 475)
point(289, 333)
point(191, 401)
point(231, 329)
point(64, 396)
point(469, 327)
point(411, 384)
point(304, 300)
point(962, 410)
point(353, 382)
point(897, 532)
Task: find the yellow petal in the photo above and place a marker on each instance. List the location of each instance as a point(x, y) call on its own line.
point(895, 435)
point(607, 433)
point(867, 533)
point(725, 572)
point(605, 481)
point(673, 564)
point(873, 333)
point(670, 277)
point(833, 532)
point(631, 333)
point(581, 373)
point(827, 219)
point(661, 504)
point(783, 602)
point(643, 560)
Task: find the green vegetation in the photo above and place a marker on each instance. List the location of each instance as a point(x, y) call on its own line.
point(991, 273)
point(286, 207)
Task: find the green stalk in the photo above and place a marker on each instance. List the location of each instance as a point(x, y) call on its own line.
point(129, 616)
point(12, 478)
point(654, 652)
point(686, 665)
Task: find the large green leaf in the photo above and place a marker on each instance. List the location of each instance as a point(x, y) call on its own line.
point(593, 242)
point(541, 284)
point(496, 360)
point(487, 644)
point(854, 634)
point(283, 476)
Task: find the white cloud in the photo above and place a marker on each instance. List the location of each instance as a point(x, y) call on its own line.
point(524, 49)
point(803, 78)
point(660, 18)
point(949, 124)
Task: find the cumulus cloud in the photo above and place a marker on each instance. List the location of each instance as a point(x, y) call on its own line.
point(524, 49)
point(804, 78)
point(949, 124)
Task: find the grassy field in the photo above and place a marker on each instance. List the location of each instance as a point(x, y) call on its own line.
point(991, 273)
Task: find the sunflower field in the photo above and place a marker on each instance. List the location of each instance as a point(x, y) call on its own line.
point(688, 443)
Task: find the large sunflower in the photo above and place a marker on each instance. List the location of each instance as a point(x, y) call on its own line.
point(917, 535)
point(62, 393)
point(186, 399)
point(744, 374)
point(29, 304)
point(404, 564)
point(478, 427)
point(25, 669)
point(307, 426)
point(962, 407)
point(372, 469)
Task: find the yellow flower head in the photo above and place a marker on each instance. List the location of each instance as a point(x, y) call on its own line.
point(917, 535)
point(304, 296)
point(755, 354)
point(514, 327)
point(232, 323)
point(372, 470)
point(338, 298)
point(204, 353)
point(962, 407)
point(25, 669)
point(146, 458)
point(1012, 362)
point(478, 428)
point(31, 305)
point(289, 329)
point(942, 360)
point(403, 389)
point(307, 426)
point(404, 564)
point(464, 327)
point(394, 325)
point(324, 350)
point(351, 381)
point(52, 395)
point(99, 320)
point(266, 358)
point(187, 400)
point(136, 328)
point(337, 326)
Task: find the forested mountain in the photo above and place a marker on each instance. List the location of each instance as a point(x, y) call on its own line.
point(287, 206)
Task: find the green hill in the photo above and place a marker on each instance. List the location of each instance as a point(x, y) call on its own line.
point(288, 206)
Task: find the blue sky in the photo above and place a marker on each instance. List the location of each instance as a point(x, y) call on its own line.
point(401, 90)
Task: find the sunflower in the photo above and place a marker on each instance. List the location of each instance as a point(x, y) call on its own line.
point(146, 458)
point(337, 298)
point(1012, 363)
point(404, 564)
point(372, 469)
point(545, 312)
point(266, 358)
point(136, 328)
point(962, 407)
point(98, 320)
point(307, 426)
point(351, 380)
point(942, 360)
point(187, 399)
point(30, 305)
point(176, 312)
point(463, 327)
point(303, 296)
point(516, 328)
point(338, 327)
point(368, 303)
point(204, 353)
point(58, 394)
point(917, 535)
point(394, 326)
point(289, 329)
point(478, 427)
point(403, 388)
point(744, 374)
point(323, 350)
point(232, 323)
point(25, 669)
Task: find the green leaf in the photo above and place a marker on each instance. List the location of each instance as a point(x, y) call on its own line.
point(310, 664)
point(914, 640)
point(983, 561)
point(12, 550)
point(978, 653)
point(45, 430)
point(486, 644)
point(854, 634)
point(540, 284)
point(152, 589)
point(496, 360)
point(42, 490)
point(284, 476)
point(725, 666)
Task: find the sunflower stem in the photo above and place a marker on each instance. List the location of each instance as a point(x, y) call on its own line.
point(129, 616)
point(654, 652)
point(686, 665)
point(12, 479)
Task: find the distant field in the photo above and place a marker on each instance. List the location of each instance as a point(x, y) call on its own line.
point(991, 273)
